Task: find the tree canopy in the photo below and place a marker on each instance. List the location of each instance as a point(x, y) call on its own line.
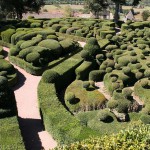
point(18, 7)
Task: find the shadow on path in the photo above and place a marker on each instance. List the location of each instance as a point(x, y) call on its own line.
point(21, 80)
point(29, 129)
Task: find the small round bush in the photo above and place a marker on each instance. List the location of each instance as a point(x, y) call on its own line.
point(92, 83)
point(50, 76)
point(54, 37)
point(109, 69)
point(99, 56)
point(142, 56)
point(138, 66)
point(103, 67)
point(124, 46)
point(145, 52)
point(112, 104)
point(144, 83)
point(133, 60)
point(145, 118)
point(139, 75)
point(85, 54)
point(70, 97)
point(127, 92)
point(111, 47)
point(33, 57)
point(123, 106)
point(103, 115)
point(96, 75)
point(114, 79)
point(147, 73)
point(142, 46)
point(109, 36)
point(134, 44)
point(133, 53)
point(126, 70)
point(86, 84)
point(129, 48)
point(118, 66)
point(115, 86)
point(109, 55)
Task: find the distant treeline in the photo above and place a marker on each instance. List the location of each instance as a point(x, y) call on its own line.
point(77, 2)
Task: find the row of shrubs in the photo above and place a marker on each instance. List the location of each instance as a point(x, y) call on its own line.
point(8, 118)
point(63, 126)
point(123, 140)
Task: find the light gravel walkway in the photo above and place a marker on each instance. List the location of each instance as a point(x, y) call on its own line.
point(31, 126)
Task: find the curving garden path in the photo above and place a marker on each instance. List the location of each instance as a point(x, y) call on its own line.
point(31, 126)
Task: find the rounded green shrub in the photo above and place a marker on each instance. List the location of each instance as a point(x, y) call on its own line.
point(133, 53)
point(33, 57)
point(96, 75)
point(110, 47)
point(53, 45)
point(126, 70)
point(142, 46)
point(54, 37)
point(123, 106)
point(147, 73)
point(129, 48)
point(109, 69)
point(133, 60)
point(85, 54)
point(114, 79)
point(139, 75)
point(103, 115)
point(124, 46)
point(92, 46)
point(142, 56)
point(109, 36)
point(109, 55)
point(112, 104)
point(50, 76)
point(127, 92)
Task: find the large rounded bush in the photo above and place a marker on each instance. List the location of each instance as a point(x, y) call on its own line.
point(96, 75)
point(53, 45)
point(33, 57)
point(92, 46)
point(50, 76)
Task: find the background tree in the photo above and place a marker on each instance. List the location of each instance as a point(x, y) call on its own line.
point(18, 7)
point(96, 6)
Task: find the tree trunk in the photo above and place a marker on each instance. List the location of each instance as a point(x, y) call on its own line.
point(116, 15)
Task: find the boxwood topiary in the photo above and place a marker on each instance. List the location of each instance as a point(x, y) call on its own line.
point(96, 75)
point(53, 45)
point(112, 104)
point(50, 76)
point(85, 55)
point(33, 57)
point(92, 46)
point(70, 97)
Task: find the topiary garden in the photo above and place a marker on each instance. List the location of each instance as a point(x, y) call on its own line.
point(73, 106)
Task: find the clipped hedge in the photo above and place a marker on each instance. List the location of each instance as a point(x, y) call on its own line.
point(57, 120)
point(84, 69)
point(6, 35)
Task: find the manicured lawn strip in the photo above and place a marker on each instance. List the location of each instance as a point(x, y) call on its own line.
point(10, 135)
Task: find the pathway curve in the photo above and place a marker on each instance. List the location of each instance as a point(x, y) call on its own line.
point(31, 126)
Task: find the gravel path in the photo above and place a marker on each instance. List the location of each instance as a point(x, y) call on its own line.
point(31, 126)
